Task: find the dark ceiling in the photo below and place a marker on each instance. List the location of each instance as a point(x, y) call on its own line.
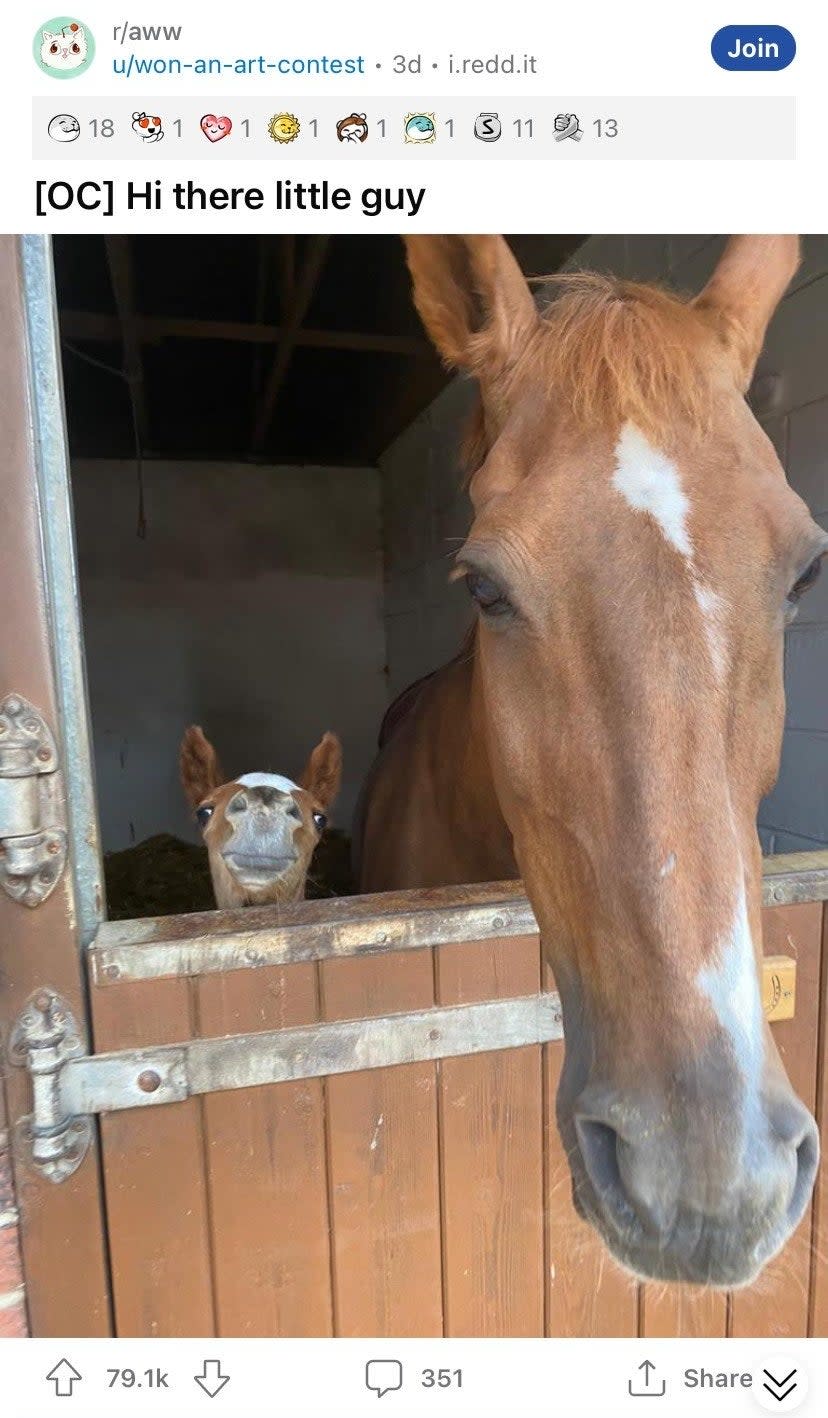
point(275, 349)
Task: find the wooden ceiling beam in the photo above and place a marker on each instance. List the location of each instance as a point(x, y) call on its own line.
point(300, 298)
point(152, 329)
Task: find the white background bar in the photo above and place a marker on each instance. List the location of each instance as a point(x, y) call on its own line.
point(327, 1379)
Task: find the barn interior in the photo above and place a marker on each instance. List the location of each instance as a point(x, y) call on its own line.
point(248, 558)
point(267, 493)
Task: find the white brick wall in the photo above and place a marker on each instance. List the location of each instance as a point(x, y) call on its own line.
point(426, 511)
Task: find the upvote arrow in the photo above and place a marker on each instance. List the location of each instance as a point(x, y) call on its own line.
point(212, 1380)
point(64, 1376)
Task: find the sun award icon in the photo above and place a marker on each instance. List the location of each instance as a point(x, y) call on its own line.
point(284, 127)
point(63, 47)
point(420, 128)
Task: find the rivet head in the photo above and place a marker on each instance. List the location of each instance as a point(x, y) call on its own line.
point(52, 849)
point(44, 754)
point(13, 706)
point(42, 1001)
point(149, 1081)
point(112, 972)
point(433, 1034)
point(498, 923)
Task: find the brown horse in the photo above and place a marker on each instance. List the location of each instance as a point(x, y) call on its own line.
point(634, 557)
point(260, 830)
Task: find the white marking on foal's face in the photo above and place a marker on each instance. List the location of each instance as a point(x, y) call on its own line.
point(651, 483)
point(268, 780)
point(731, 985)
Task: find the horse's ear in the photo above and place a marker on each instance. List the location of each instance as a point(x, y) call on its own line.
point(472, 297)
point(744, 291)
point(322, 774)
point(198, 766)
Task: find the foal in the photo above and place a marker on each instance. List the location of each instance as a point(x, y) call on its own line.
point(260, 830)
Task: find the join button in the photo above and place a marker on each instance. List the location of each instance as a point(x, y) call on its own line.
point(753, 47)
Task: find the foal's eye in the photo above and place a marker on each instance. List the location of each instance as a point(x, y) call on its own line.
point(808, 578)
point(204, 813)
point(488, 595)
point(320, 821)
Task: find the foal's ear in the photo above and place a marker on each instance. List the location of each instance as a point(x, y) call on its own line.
point(322, 773)
point(744, 291)
point(472, 297)
point(198, 766)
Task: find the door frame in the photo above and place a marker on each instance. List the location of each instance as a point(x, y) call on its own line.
point(62, 1228)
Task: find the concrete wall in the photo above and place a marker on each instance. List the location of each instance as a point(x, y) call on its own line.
point(424, 511)
point(253, 607)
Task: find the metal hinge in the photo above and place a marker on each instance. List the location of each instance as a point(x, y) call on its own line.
point(44, 1038)
point(32, 834)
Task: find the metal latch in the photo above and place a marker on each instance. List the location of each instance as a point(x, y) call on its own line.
point(32, 836)
point(69, 1087)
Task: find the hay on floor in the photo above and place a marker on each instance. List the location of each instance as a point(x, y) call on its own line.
point(164, 876)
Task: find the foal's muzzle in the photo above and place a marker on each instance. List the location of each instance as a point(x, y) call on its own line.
point(261, 845)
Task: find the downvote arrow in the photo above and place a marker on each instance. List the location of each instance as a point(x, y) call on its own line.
point(212, 1380)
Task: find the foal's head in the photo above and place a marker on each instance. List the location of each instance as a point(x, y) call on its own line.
point(260, 830)
point(635, 555)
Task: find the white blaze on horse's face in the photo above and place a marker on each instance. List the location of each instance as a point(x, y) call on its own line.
point(651, 484)
point(730, 983)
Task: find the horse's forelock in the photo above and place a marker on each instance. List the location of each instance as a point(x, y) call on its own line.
point(611, 352)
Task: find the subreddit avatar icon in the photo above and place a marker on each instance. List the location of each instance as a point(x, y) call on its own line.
point(63, 47)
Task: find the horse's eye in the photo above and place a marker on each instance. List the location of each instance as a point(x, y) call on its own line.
point(204, 813)
point(320, 821)
point(808, 578)
point(487, 594)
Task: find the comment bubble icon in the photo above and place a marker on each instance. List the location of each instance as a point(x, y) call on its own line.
point(383, 1376)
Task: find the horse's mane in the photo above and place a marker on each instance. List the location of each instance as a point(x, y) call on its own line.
point(615, 350)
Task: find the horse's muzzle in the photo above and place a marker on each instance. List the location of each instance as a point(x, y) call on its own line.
point(705, 1199)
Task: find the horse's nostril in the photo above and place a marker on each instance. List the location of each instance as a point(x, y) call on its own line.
point(238, 803)
point(630, 1190)
point(293, 811)
point(599, 1150)
point(807, 1161)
